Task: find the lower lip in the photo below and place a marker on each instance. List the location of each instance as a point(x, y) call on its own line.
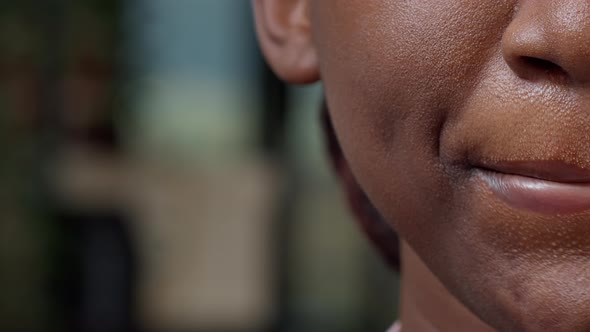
point(536, 195)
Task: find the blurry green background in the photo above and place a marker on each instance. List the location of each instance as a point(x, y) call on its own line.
point(156, 176)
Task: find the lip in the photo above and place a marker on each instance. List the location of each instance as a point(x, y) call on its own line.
point(546, 187)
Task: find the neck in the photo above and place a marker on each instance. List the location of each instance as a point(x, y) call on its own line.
point(426, 305)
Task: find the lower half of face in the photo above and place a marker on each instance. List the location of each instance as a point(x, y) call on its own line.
point(470, 132)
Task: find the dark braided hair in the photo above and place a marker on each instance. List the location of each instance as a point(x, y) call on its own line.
point(381, 234)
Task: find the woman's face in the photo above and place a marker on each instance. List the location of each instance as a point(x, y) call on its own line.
point(467, 123)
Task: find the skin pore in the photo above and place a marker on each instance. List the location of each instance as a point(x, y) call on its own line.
point(467, 125)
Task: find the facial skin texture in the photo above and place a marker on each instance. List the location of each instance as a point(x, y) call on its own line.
point(424, 94)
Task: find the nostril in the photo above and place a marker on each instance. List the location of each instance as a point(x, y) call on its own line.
point(541, 66)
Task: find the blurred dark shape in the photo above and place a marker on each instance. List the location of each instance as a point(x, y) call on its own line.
point(274, 112)
point(97, 288)
point(274, 140)
point(96, 275)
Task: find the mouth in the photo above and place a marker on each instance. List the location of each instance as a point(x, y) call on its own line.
point(545, 187)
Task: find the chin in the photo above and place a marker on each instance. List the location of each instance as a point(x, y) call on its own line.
point(534, 297)
point(518, 268)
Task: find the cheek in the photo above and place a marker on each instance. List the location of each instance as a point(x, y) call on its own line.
point(407, 87)
point(395, 72)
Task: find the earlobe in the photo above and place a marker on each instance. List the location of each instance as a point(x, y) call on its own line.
point(284, 34)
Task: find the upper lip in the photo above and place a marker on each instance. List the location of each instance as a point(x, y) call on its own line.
point(548, 170)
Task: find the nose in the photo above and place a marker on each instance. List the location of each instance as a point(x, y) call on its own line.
point(549, 40)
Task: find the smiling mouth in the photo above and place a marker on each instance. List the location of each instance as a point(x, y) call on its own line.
point(546, 187)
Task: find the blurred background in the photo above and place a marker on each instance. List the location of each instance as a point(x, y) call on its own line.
point(156, 176)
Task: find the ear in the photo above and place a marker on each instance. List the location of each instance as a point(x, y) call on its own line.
point(284, 34)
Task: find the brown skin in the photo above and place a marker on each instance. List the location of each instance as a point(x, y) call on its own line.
point(423, 92)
